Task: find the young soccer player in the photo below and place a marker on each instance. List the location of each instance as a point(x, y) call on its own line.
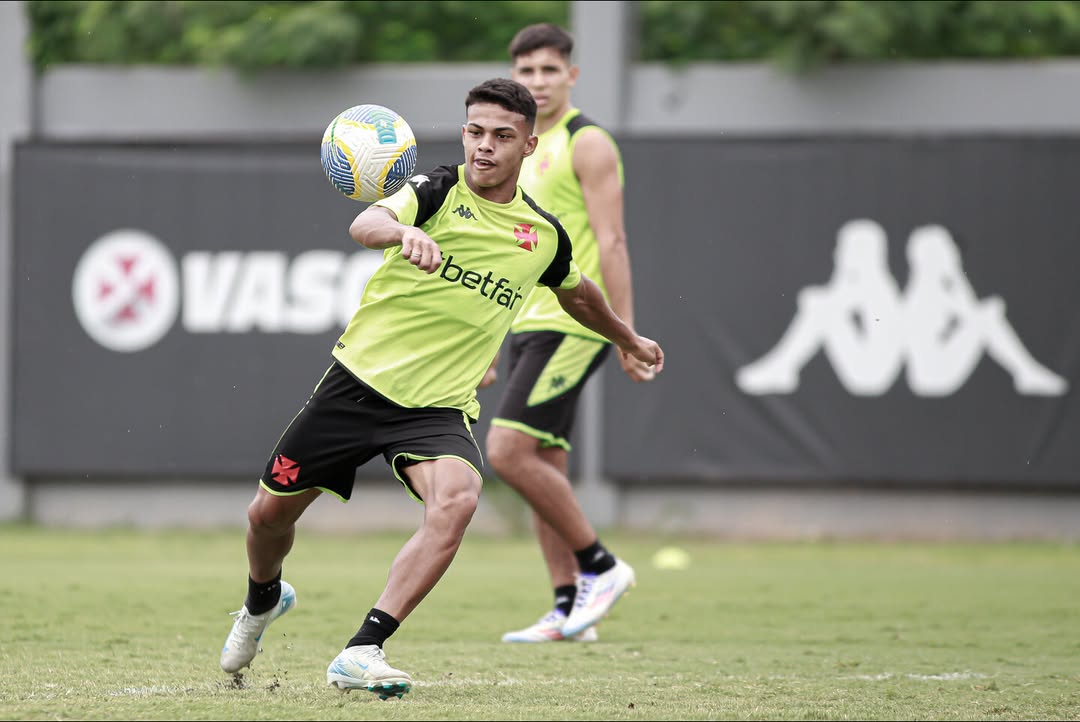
point(576, 173)
point(405, 371)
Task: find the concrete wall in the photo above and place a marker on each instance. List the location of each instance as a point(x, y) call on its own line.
point(643, 100)
point(15, 119)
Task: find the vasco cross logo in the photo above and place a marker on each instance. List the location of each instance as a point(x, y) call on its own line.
point(126, 290)
point(526, 236)
point(465, 212)
point(285, 471)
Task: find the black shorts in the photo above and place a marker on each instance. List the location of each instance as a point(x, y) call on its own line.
point(548, 370)
point(345, 424)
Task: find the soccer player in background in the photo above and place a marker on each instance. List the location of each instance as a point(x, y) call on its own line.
point(576, 173)
point(463, 247)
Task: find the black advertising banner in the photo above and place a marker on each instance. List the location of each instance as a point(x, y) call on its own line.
point(854, 310)
point(835, 310)
point(175, 305)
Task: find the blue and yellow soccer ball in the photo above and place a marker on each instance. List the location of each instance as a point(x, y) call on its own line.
point(368, 152)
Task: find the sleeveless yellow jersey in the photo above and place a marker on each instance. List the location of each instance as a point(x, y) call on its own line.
point(426, 340)
point(548, 176)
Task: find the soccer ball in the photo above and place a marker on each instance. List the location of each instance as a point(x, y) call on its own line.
point(368, 152)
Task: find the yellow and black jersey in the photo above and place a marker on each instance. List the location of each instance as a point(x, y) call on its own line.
point(425, 340)
point(548, 176)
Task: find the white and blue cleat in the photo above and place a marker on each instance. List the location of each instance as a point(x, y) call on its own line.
point(242, 644)
point(365, 667)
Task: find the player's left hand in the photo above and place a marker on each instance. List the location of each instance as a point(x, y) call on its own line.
point(490, 377)
point(636, 369)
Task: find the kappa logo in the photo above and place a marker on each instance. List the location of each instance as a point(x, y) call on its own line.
point(285, 471)
point(465, 212)
point(526, 236)
point(936, 331)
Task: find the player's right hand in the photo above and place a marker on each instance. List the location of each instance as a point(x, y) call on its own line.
point(418, 249)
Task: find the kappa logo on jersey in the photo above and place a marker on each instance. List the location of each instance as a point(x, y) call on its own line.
point(419, 180)
point(500, 291)
point(464, 212)
point(526, 236)
point(285, 470)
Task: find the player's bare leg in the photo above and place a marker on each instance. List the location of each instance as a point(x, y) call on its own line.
point(271, 531)
point(517, 459)
point(450, 490)
point(561, 564)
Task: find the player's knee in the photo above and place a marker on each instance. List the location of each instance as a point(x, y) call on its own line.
point(263, 516)
point(457, 500)
point(501, 450)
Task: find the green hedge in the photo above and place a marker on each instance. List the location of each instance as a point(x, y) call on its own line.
point(803, 34)
point(797, 34)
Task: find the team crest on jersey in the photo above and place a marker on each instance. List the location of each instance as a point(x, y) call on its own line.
point(526, 236)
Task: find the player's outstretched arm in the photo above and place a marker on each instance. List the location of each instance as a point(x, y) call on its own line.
point(586, 304)
point(596, 165)
point(378, 228)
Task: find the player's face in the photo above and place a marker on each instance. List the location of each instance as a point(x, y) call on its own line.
point(549, 77)
point(496, 140)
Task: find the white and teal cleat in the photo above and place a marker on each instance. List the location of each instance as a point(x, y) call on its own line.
point(243, 642)
point(365, 667)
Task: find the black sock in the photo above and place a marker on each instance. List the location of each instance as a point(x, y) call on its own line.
point(376, 628)
point(262, 596)
point(594, 559)
point(564, 598)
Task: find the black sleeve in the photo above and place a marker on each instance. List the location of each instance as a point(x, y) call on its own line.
point(431, 189)
point(555, 273)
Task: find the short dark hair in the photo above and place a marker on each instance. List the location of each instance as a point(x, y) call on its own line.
point(542, 35)
point(507, 94)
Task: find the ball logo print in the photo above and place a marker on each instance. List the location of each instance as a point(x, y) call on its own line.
point(126, 290)
point(368, 152)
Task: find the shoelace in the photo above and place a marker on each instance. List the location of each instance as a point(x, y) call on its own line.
point(551, 618)
point(376, 653)
point(247, 622)
point(585, 585)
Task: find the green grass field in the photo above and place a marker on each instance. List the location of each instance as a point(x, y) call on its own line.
point(128, 625)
